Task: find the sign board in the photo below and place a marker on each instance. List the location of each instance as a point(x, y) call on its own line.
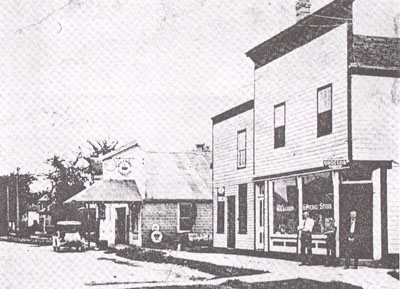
point(199, 237)
point(220, 198)
point(335, 164)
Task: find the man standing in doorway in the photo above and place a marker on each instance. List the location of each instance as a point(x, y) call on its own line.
point(352, 240)
point(305, 231)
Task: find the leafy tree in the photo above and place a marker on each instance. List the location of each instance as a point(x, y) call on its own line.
point(25, 198)
point(67, 179)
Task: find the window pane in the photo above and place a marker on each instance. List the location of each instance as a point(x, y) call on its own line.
point(242, 140)
point(285, 203)
point(279, 140)
point(242, 158)
point(243, 208)
point(185, 224)
point(280, 115)
point(324, 125)
point(325, 99)
point(184, 210)
point(318, 200)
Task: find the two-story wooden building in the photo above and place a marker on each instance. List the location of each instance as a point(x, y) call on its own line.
point(321, 134)
point(151, 198)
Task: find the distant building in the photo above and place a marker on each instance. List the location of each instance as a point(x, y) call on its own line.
point(144, 192)
point(321, 134)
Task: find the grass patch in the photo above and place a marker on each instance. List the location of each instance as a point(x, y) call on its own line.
point(285, 284)
point(145, 255)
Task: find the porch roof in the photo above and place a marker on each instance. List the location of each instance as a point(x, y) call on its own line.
point(109, 191)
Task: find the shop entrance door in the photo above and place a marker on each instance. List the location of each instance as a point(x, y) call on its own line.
point(231, 222)
point(359, 197)
point(120, 226)
point(259, 216)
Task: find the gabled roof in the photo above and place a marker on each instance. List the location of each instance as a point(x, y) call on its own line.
point(178, 176)
point(305, 30)
point(109, 191)
point(120, 150)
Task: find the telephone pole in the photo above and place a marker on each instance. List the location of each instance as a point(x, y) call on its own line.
point(17, 201)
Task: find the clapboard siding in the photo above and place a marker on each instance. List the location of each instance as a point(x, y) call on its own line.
point(393, 209)
point(294, 79)
point(243, 241)
point(227, 175)
point(376, 118)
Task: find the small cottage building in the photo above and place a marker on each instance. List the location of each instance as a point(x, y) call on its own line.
point(147, 198)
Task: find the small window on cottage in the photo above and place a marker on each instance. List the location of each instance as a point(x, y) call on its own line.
point(243, 209)
point(220, 217)
point(279, 125)
point(241, 149)
point(184, 218)
point(324, 99)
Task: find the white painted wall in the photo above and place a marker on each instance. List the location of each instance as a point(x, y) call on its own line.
point(227, 175)
point(376, 18)
point(294, 79)
point(375, 118)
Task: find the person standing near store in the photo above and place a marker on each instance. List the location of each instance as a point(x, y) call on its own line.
point(330, 242)
point(352, 240)
point(305, 231)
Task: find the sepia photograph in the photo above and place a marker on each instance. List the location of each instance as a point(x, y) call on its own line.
point(200, 144)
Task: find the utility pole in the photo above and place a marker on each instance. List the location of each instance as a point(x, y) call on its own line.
point(17, 201)
point(8, 208)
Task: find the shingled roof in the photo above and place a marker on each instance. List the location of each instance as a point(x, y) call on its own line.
point(178, 176)
point(376, 52)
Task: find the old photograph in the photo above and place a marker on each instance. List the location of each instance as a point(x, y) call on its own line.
point(200, 144)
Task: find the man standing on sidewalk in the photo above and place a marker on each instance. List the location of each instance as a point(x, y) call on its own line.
point(305, 231)
point(352, 241)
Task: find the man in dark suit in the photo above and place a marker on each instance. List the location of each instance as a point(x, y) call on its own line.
point(352, 241)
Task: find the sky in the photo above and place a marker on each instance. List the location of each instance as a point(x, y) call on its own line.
point(151, 71)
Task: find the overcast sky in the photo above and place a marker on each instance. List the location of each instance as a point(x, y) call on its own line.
point(154, 71)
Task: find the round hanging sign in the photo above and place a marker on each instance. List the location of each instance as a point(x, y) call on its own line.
point(110, 165)
point(156, 237)
point(124, 168)
point(155, 227)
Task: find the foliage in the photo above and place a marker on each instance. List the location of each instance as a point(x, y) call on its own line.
point(67, 179)
point(102, 147)
point(25, 197)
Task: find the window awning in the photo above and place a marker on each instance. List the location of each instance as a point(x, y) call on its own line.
point(109, 191)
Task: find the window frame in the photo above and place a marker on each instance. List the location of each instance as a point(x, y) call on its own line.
point(220, 217)
point(283, 144)
point(238, 151)
point(243, 210)
point(321, 133)
point(178, 227)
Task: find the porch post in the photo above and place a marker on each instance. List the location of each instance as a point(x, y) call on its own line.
point(336, 208)
point(270, 212)
point(88, 223)
point(300, 206)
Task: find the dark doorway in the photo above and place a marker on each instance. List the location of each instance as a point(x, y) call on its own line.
point(231, 222)
point(120, 226)
point(359, 197)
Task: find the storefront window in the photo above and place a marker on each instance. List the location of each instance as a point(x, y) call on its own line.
point(285, 203)
point(318, 199)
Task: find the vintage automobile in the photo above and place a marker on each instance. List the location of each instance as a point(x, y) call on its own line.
point(68, 236)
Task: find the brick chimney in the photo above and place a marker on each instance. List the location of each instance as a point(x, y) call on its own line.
point(302, 9)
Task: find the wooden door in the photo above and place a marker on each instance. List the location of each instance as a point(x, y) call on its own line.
point(231, 222)
point(359, 197)
point(259, 216)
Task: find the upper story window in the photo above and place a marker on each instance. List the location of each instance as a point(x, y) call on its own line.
point(241, 149)
point(324, 115)
point(279, 125)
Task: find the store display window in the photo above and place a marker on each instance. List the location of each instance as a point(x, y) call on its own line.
point(285, 204)
point(318, 199)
